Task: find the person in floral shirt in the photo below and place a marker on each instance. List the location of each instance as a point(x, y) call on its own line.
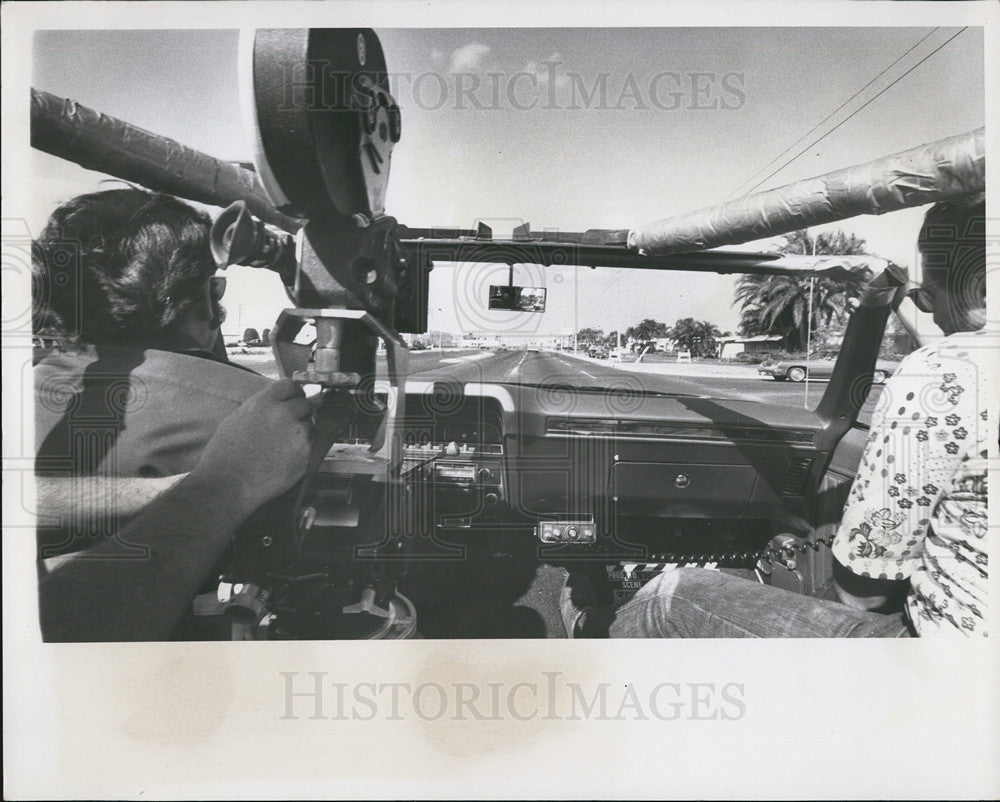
point(917, 509)
point(915, 522)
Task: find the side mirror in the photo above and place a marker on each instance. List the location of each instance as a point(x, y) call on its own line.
point(517, 299)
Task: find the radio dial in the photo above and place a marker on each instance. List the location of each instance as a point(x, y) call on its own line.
point(485, 474)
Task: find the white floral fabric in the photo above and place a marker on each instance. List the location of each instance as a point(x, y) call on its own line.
point(918, 507)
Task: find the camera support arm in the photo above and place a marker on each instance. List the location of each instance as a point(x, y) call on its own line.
point(324, 128)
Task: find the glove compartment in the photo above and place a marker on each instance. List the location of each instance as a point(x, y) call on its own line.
point(682, 490)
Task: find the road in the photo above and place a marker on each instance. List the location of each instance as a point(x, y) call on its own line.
point(555, 367)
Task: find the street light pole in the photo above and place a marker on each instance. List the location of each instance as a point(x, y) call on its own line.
point(809, 329)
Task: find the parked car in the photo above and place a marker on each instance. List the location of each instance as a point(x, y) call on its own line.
point(818, 366)
point(754, 357)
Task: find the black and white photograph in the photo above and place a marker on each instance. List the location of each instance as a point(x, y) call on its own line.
point(623, 393)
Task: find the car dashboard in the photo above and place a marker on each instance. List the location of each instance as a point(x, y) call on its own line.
point(536, 475)
point(589, 474)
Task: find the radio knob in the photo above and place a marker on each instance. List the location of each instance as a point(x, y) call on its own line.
point(492, 498)
point(485, 474)
point(573, 532)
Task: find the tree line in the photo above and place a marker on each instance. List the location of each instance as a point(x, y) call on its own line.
point(252, 337)
point(700, 337)
point(769, 305)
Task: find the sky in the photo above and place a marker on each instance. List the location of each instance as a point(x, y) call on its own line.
point(566, 129)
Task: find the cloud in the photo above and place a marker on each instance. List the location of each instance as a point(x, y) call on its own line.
point(543, 71)
point(469, 57)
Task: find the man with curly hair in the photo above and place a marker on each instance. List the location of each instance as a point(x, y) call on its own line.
point(124, 410)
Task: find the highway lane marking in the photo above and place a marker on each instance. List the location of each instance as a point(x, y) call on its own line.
point(469, 358)
point(576, 367)
point(719, 387)
point(514, 371)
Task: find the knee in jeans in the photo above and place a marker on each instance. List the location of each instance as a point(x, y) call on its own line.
point(669, 583)
point(663, 584)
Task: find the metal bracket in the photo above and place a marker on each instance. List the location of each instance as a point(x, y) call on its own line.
point(322, 364)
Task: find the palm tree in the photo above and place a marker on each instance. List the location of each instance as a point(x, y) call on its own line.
point(645, 332)
point(780, 304)
point(590, 336)
point(697, 336)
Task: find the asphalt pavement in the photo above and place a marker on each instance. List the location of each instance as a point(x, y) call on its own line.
point(718, 380)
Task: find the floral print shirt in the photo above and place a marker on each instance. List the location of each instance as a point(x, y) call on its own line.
point(917, 508)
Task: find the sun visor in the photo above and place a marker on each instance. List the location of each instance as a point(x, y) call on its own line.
point(846, 268)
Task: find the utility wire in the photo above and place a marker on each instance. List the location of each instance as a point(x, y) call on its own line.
point(853, 113)
point(828, 116)
point(626, 272)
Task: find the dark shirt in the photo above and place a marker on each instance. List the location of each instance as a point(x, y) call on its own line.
point(119, 411)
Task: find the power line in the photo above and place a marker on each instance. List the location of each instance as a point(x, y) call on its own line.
point(828, 116)
point(856, 111)
point(625, 272)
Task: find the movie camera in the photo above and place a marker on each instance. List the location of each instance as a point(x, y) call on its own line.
point(324, 125)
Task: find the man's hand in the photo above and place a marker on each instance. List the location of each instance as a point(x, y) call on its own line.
point(261, 449)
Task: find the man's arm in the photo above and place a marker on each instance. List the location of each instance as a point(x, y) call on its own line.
point(257, 453)
point(109, 594)
point(84, 497)
point(866, 593)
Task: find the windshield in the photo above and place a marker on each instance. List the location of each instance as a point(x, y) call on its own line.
point(685, 334)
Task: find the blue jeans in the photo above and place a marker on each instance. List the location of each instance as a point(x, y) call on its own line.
point(697, 603)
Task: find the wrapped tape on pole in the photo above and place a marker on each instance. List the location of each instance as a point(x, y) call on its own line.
point(948, 168)
point(96, 141)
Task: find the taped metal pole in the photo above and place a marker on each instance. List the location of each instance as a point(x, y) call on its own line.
point(96, 141)
point(948, 168)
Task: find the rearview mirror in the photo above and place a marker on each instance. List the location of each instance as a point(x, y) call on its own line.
point(517, 299)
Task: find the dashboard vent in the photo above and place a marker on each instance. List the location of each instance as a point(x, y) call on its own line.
point(795, 479)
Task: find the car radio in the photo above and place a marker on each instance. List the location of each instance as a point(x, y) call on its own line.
point(451, 464)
